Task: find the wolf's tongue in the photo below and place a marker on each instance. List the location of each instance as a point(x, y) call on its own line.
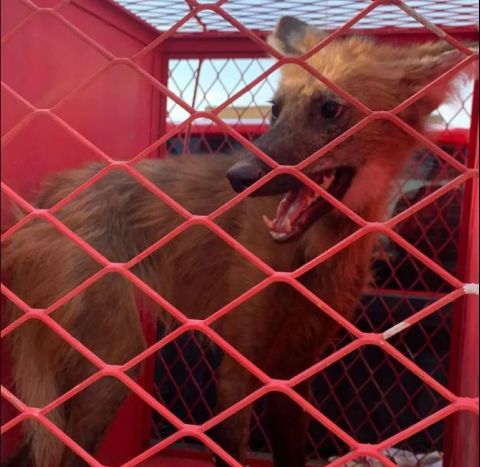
point(290, 209)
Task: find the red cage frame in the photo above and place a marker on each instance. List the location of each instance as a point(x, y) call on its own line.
point(463, 393)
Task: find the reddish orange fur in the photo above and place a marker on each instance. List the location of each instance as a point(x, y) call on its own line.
point(278, 329)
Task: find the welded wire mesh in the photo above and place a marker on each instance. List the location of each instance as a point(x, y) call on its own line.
point(330, 14)
point(415, 266)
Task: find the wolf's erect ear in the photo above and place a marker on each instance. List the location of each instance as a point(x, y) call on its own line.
point(421, 68)
point(292, 36)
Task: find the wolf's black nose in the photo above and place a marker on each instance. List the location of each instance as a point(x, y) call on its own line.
point(243, 174)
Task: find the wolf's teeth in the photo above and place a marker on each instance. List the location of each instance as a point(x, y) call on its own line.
point(288, 225)
point(278, 235)
point(267, 221)
point(327, 181)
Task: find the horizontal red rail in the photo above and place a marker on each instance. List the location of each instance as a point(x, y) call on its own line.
point(458, 136)
point(217, 44)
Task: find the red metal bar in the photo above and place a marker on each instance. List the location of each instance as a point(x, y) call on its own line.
point(461, 435)
point(466, 403)
point(216, 44)
point(454, 136)
point(159, 104)
point(163, 114)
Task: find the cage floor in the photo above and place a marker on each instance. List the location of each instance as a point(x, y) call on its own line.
point(194, 459)
point(171, 461)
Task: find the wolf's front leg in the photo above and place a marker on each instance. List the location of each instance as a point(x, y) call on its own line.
point(294, 350)
point(287, 425)
point(251, 329)
point(234, 383)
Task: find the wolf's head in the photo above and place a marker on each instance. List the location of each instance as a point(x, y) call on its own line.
point(307, 115)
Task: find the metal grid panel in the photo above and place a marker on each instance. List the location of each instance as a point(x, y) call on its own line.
point(329, 14)
point(349, 392)
point(381, 339)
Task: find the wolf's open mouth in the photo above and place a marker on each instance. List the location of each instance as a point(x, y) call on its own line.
point(300, 208)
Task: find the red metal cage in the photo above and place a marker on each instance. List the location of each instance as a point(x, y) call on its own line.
point(87, 80)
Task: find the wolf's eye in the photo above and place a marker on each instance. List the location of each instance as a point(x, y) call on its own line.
point(331, 109)
point(276, 109)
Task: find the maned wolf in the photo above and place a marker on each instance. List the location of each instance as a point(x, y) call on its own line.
point(278, 329)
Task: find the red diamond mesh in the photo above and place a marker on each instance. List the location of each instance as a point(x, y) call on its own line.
point(406, 314)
